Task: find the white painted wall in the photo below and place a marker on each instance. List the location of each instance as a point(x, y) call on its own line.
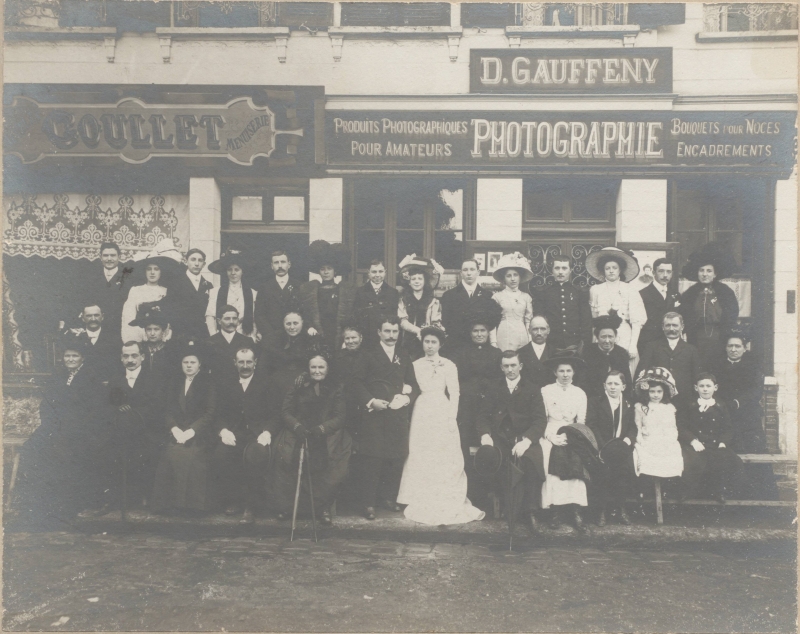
point(205, 219)
point(325, 209)
point(499, 203)
point(642, 210)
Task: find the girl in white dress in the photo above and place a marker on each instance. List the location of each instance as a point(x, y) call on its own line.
point(434, 485)
point(565, 404)
point(657, 451)
point(512, 270)
point(615, 268)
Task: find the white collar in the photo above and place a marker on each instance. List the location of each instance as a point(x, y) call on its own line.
point(470, 288)
point(93, 335)
point(245, 382)
point(228, 336)
point(132, 374)
point(706, 403)
point(109, 273)
point(615, 403)
point(513, 384)
point(671, 344)
point(661, 288)
point(735, 360)
point(389, 350)
point(538, 348)
point(376, 288)
point(282, 281)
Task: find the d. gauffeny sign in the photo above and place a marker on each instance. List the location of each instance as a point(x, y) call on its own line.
point(589, 71)
point(761, 140)
point(136, 131)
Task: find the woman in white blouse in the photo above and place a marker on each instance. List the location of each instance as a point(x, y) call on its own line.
point(234, 292)
point(615, 268)
point(513, 270)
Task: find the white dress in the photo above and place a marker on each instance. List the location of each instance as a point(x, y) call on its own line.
point(137, 296)
point(512, 333)
point(434, 485)
point(657, 451)
point(564, 405)
point(625, 299)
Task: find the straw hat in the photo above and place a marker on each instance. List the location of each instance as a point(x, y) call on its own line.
point(595, 261)
point(165, 254)
point(513, 261)
point(656, 376)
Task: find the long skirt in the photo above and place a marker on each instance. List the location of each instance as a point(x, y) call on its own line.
point(181, 480)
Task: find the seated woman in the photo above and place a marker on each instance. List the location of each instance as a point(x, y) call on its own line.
point(159, 354)
point(565, 405)
point(285, 354)
point(313, 413)
point(181, 481)
point(657, 451)
point(704, 431)
point(604, 356)
point(418, 307)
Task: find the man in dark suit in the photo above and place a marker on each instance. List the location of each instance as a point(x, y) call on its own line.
point(137, 397)
point(188, 297)
point(374, 301)
point(461, 301)
point(659, 299)
point(386, 388)
point(277, 296)
point(674, 354)
point(247, 416)
point(513, 419)
point(223, 345)
point(108, 288)
point(533, 355)
point(610, 416)
point(566, 307)
point(101, 345)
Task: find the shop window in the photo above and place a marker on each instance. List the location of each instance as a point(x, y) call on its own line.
point(284, 207)
point(140, 16)
point(243, 14)
point(749, 17)
point(395, 14)
point(573, 201)
point(646, 15)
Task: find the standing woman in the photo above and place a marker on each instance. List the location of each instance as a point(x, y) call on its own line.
point(233, 291)
point(418, 308)
point(315, 413)
point(181, 481)
point(709, 308)
point(159, 268)
point(327, 303)
point(513, 269)
point(615, 268)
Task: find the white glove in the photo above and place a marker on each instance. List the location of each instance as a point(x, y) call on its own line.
point(697, 445)
point(721, 445)
point(228, 437)
point(264, 438)
point(627, 441)
point(188, 435)
point(399, 400)
point(312, 332)
point(177, 434)
point(486, 439)
point(521, 447)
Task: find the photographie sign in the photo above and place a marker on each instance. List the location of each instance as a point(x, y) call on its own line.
point(136, 131)
point(591, 70)
point(760, 140)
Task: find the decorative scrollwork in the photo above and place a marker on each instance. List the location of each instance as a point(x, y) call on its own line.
point(537, 14)
point(11, 330)
point(541, 256)
point(751, 16)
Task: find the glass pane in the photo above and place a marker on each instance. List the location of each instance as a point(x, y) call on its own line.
point(449, 248)
point(733, 244)
point(728, 215)
point(409, 242)
point(545, 206)
point(369, 246)
point(691, 211)
point(290, 208)
point(247, 208)
point(450, 213)
point(591, 207)
point(369, 206)
point(410, 215)
point(690, 242)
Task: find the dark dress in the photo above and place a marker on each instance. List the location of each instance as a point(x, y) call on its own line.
point(710, 311)
point(457, 307)
point(181, 480)
point(329, 455)
point(343, 370)
point(285, 358)
point(327, 308)
point(161, 362)
point(417, 315)
point(598, 364)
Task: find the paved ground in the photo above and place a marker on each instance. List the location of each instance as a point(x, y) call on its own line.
point(145, 581)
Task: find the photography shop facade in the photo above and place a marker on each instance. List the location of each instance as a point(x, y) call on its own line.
point(445, 130)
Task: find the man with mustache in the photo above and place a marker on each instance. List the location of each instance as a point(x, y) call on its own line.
point(566, 307)
point(100, 344)
point(277, 296)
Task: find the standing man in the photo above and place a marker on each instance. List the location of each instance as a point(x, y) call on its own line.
point(374, 301)
point(276, 297)
point(659, 299)
point(385, 387)
point(108, 288)
point(674, 354)
point(190, 298)
point(566, 307)
point(101, 346)
point(461, 301)
point(246, 419)
point(222, 345)
point(533, 355)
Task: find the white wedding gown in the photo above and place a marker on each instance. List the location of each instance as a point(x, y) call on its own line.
point(434, 485)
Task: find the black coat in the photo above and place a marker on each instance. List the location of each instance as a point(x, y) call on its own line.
point(509, 416)
point(683, 362)
point(711, 427)
point(384, 434)
point(656, 307)
point(285, 358)
point(534, 368)
point(146, 399)
point(221, 354)
point(741, 386)
point(110, 296)
point(103, 355)
point(370, 307)
point(308, 298)
point(247, 413)
point(598, 365)
point(273, 302)
point(457, 306)
point(194, 410)
point(478, 369)
point(600, 419)
point(694, 322)
point(568, 312)
point(188, 307)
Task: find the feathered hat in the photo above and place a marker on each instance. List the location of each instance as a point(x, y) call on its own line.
point(322, 252)
point(151, 313)
point(655, 376)
point(717, 254)
point(412, 264)
point(165, 254)
point(513, 261)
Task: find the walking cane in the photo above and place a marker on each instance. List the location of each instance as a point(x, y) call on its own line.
point(297, 490)
point(311, 494)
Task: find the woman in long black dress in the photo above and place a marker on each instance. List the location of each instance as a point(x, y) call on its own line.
point(181, 481)
point(285, 354)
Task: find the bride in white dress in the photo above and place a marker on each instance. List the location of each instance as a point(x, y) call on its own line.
point(434, 485)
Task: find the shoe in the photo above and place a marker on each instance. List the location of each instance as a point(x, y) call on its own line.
point(555, 520)
point(391, 506)
point(326, 520)
point(247, 517)
point(231, 510)
point(282, 516)
point(369, 513)
point(623, 517)
point(579, 526)
point(601, 519)
point(531, 524)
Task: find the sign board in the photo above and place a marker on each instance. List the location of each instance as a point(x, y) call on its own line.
point(760, 141)
point(571, 71)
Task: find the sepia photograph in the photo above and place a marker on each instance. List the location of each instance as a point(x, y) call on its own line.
point(399, 316)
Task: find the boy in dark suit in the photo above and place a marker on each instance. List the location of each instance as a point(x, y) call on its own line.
point(374, 301)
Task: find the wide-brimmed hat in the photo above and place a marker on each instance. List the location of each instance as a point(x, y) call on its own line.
point(488, 460)
point(228, 258)
point(717, 254)
point(612, 321)
point(165, 254)
point(513, 261)
point(151, 313)
point(322, 252)
point(412, 264)
point(629, 267)
point(487, 313)
point(566, 355)
point(655, 376)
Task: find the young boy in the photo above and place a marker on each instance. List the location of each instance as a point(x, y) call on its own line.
point(705, 434)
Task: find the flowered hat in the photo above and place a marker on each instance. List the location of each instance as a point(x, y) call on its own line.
point(655, 376)
point(151, 313)
point(596, 260)
point(513, 261)
point(165, 254)
point(412, 264)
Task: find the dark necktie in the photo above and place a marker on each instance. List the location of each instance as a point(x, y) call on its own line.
point(617, 413)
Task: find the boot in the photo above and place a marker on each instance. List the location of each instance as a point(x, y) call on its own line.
point(555, 520)
point(601, 519)
point(623, 516)
point(579, 521)
point(529, 519)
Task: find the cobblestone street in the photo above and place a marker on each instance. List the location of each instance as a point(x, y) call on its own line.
point(73, 581)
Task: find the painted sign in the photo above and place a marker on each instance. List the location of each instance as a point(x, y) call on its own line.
point(559, 71)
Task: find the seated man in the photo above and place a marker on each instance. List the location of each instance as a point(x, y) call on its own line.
point(223, 345)
point(705, 434)
point(611, 419)
point(512, 417)
point(100, 342)
point(533, 356)
point(246, 418)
